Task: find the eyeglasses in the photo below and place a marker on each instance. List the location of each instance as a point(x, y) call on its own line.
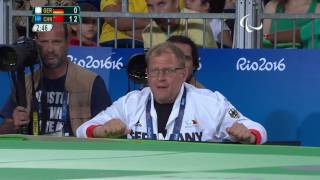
point(165, 71)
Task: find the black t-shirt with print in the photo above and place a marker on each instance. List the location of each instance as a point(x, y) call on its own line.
point(53, 99)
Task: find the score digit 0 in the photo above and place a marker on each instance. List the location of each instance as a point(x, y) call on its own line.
point(75, 10)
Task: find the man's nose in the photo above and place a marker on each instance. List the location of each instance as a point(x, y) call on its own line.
point(50, 47)
point(162, 75)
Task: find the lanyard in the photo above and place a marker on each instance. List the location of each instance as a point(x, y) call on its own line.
point(177, 122)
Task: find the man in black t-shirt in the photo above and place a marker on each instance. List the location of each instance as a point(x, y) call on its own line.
point(66, 95)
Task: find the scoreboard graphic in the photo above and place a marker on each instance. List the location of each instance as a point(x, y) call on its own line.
point(44, 17)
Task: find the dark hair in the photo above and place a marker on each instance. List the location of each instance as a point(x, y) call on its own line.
point(91, 8)
point(215, 6)
point(194, 50)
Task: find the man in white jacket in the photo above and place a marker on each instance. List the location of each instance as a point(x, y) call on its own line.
point(170, 109)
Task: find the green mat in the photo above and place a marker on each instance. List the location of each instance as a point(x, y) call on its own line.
point(29, 157)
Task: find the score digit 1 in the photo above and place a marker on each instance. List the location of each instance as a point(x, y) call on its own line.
point(74, 19)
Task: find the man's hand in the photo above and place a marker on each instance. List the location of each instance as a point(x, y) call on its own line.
point(111, 129)
point(241, 134)
point(20, 116)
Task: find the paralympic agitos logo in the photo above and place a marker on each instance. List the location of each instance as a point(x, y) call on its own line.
point(249, 28)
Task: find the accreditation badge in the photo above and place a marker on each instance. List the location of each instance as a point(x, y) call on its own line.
point(234, 113)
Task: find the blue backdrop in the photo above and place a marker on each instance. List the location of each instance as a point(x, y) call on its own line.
point(278, 88)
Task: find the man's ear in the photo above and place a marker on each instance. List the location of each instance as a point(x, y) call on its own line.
point(36, 39)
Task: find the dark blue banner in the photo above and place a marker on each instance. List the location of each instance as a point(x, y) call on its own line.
point(278, 88)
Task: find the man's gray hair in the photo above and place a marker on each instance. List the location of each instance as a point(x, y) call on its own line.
point(166, 47)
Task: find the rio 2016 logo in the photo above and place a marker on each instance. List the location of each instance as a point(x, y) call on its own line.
point(243, 64)
point(91, 62)
point(249, 28)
